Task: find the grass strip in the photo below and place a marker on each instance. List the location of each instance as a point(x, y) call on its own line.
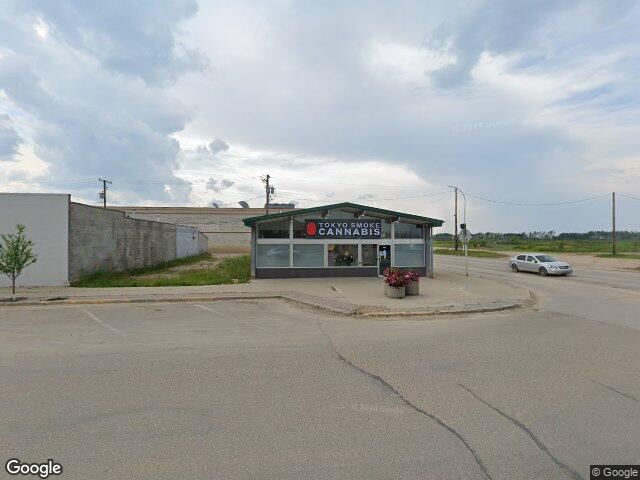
point(472, 253)
point(227, 271)
point(558, 246)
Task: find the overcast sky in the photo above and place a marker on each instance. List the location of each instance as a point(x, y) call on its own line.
point(185, 102)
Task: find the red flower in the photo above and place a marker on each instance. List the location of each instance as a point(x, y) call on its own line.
point(395, 279)
point(411, 276)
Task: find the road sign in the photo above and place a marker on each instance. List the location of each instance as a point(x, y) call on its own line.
point(464, 236)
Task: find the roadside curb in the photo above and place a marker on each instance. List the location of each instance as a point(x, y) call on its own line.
point(329, 305)
point(495, 306)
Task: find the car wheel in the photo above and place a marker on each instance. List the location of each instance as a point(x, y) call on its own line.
point(514, 267)
point(543, 271)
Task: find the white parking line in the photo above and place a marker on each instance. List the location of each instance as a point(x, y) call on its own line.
point(106, 325)
point(230, 318)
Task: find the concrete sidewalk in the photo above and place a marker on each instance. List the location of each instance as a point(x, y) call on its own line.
point(447, 293)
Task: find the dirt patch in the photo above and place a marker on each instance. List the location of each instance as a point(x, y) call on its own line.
point(175, 271)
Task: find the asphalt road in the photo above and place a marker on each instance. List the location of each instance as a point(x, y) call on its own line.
point(611, 296)
point(244, 389)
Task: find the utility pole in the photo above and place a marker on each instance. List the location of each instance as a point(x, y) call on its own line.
point(455, 221)
point(104, 191)
point(265, 180)
point(613, 221)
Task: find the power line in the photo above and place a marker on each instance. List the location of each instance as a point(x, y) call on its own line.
point(357, 184)
point(245, 199)
point(63, 182)
point(569, 202)
point(81, 181)
point(410, 196)
point(628, 196)
point(125, 180)
point(377, 199)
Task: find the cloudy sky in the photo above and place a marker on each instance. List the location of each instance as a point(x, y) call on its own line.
point(185, 102)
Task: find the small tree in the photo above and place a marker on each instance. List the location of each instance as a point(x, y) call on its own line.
point(16, 254)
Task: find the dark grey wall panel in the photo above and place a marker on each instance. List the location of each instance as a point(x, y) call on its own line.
point(316, 272)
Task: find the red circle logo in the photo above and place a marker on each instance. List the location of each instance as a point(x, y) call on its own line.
point(312, 229)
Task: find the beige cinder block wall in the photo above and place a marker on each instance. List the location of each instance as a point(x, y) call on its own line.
point(45, 216)
point(222, 226)
point(105, 240)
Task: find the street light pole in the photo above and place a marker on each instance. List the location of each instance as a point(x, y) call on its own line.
point(455, 220)
point(613, 222)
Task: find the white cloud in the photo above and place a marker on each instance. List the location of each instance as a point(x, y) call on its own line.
point(329, 101)
point(218, 145)
point(41, 28)
point(90, 97)
point(9, 138)
point(406, 63)
point(218, 185)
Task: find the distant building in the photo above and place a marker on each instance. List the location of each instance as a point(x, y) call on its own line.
point(288, 206)
point(224, 227)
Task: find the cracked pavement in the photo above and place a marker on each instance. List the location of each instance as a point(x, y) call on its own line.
point(264, 389)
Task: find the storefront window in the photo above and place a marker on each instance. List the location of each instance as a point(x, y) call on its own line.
point(272, 255)
point(310, 255)
point(408, 230)
point(386, 229)
point(409, 255)
point(275, 229)
point(299, 228)
point(369, 255)
point(340, 255)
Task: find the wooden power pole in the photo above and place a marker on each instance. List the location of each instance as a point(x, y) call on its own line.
point(265, 179)
point(104, 191)
point(613, 222)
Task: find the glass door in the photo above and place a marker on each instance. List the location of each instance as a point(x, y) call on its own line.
point(384, 258)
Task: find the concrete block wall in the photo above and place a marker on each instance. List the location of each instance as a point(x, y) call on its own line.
point(104, 239)
point(45, 217)
point(222, 226)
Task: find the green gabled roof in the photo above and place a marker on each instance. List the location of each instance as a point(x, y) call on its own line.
point(433, 222)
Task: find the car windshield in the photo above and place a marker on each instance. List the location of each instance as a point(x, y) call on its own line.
point(545, 258)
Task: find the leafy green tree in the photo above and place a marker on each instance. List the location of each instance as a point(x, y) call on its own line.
point(16, 254)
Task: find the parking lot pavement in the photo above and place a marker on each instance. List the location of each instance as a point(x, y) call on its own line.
point(262, 389)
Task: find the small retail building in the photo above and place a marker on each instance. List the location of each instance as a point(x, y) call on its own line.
point(340, 240)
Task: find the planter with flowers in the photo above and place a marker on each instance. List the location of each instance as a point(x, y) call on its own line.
point(412, 283)
point(394, 283)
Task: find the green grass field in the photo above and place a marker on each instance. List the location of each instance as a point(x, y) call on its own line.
point(228, 270)
point(570, 246)
point(472, 253)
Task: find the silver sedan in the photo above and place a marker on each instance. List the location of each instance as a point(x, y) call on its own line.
point(539, 263)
